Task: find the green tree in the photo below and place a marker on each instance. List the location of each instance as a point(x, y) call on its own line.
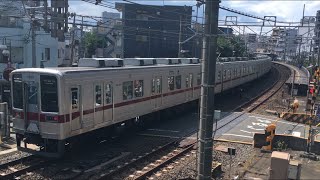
point(226, 46)
point(93, 41)
point(90, 42)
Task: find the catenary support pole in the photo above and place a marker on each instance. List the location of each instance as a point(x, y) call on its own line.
point(33, 40)
point(180, 38)
point(209, 55)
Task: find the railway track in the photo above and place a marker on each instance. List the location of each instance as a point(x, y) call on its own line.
point(21, 166)
point(161, 157)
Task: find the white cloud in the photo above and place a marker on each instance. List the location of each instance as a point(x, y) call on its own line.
point(284, 10)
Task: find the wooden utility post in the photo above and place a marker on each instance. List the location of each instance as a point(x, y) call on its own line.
point(209, 56)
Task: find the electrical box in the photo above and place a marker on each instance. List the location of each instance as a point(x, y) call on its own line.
point(279, 165)
point(294, 170)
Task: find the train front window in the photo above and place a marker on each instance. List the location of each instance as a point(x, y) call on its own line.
point(17, 91)
point(33, 94)
point(49, 94)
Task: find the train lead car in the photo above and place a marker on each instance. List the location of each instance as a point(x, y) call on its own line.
point(52, 106)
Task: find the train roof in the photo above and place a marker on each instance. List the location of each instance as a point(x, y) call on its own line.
point(103, 64)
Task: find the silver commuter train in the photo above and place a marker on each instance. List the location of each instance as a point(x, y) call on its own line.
point(53, 105)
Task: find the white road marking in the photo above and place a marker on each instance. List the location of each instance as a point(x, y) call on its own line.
point(264, 121)
point(238, 135)
point(251, 127)
point(163, 130)
point(259, 124)
point(246, 131)
point(296, 133)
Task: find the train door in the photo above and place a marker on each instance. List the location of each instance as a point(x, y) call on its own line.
point(157, 91)
point(189, 87)
point(108, 102)
point(31, 106)
point(76, 109)
point(98, 104)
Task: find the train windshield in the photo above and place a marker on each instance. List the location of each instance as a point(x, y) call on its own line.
point(17, 91)
point(49, 93)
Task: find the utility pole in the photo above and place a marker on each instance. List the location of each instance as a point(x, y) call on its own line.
point(73, 32)
point(81, 40)
point(33, 39)
point(209, 56)
point(180, 38)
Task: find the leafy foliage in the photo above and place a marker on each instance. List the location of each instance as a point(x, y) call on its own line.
point(92, 41)
point(226, 46)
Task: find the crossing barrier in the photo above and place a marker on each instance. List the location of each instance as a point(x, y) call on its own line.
point(298, 118)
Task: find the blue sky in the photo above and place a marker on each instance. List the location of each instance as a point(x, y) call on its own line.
point(289, 11)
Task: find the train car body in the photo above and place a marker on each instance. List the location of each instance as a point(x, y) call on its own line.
point(52, 105)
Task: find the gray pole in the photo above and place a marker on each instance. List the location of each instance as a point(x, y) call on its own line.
point(180, 38)
point(72, 42)
point(33, 37)
point(81, 40)
point(205, 141)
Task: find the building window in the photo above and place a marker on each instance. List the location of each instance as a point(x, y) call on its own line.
point(138, 88)
point(47, 54)
point(141, 38)
point(127, 88)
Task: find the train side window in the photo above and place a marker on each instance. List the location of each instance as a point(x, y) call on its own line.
point(127, 88)
point(159, 85)
point(224, 74)
point(108, 92)
point(191, 79)
point(199, 79)
point(171, 83)
point(138, 88)
point(187, 81)
point(98, 95)
point(219, 75)
point(178, 82)
point(75, 98)
point(234, 73)
point(229, 74)
point(153, 86)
